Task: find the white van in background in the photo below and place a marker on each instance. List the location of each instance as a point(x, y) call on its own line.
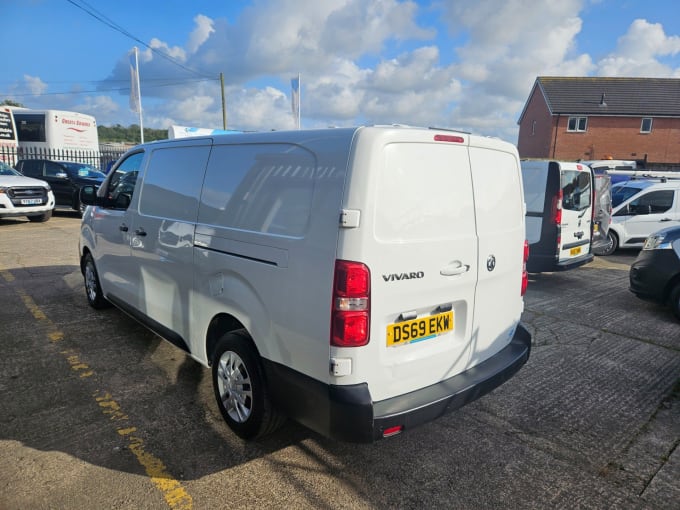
point(559, 217)
point(653, 207)
point(358, 280)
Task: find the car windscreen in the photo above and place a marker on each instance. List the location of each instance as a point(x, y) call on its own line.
point(5, 169)
point(85, 171)
point(576, 190)
point(622, 193)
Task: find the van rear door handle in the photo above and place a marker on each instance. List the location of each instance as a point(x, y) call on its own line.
point(140, 232)
point(665, 219)
point(123, 227)
point(454, 268)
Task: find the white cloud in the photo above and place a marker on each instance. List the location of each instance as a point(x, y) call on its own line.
point(381, 61)
point(200, 34)
point(35, 85)
point(638, 52)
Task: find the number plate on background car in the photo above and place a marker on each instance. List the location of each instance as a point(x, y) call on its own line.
point(575, 251)
point(31, 201)
point(416, 330)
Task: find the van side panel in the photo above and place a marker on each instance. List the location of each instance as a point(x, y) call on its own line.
point(162, 246)
point(265, 244)
point(541, 181)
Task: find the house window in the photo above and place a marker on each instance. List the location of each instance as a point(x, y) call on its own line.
point(646, 125)
point(577, 123)
point(533, 127)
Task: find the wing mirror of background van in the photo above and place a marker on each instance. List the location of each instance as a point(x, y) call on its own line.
point(61, 175)
point(88, 195)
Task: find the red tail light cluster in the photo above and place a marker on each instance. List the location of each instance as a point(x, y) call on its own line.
point(350, 317)
point(557, 208)
point(525, 275)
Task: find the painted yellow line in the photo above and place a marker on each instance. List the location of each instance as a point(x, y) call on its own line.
point(174, 494)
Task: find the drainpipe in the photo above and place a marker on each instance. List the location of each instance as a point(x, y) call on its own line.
point(557, 124)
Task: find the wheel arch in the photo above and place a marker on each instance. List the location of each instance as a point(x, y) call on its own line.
point(672, 283)
point(220, 325)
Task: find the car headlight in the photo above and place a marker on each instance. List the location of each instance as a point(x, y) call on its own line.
point(657, 242)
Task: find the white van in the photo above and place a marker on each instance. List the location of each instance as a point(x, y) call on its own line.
point(653, 207)
point(359, 280)
point(559, 217)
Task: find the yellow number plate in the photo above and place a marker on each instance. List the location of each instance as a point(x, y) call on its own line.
point(416, 330)
point(575, 251)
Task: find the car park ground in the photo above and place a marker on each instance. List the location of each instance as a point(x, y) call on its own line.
point(96, 412)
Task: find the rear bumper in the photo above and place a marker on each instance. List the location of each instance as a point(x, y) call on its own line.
point(539, 263)
point(347, 413)
point(575, 262)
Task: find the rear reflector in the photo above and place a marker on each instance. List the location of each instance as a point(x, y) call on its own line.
point(393, 431)
point(449, 138)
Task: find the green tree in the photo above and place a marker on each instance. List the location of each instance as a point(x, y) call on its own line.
point(9, 102)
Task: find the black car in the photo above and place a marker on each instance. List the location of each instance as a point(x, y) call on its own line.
point(64, 177)
point(655, 274)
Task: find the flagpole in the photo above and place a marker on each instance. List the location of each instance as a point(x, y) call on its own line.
point(139, 99)
point(299, 119)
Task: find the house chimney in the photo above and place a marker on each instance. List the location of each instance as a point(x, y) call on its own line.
point(602, 102)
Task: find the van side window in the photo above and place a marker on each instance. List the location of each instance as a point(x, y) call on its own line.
point(576, 190)
point(121, 184)
point(172, 182)
point(264, 188)
point(654, 202)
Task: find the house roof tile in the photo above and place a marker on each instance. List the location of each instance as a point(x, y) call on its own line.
point(658, 97)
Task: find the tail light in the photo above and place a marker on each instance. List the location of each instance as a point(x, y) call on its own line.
point(557, 208)
point(525, 275)
point(350, 317)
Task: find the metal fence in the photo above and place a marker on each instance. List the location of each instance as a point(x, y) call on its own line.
point(102, 160)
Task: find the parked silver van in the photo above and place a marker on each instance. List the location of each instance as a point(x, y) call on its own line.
point(360, 281)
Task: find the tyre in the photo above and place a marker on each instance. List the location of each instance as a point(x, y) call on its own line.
point(240, 387)
point(610, 247)
point(93, 289)
point(41, 217)
point(674, 300)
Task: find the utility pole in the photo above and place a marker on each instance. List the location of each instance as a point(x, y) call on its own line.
point(224, 103)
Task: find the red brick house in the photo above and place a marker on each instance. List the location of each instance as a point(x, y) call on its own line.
point(600, 118)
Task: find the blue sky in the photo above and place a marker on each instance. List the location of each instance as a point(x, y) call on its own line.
point(449, 63)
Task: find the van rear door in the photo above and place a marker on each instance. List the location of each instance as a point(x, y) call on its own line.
point(577, 210)
point(418, 240)
point(501, 235)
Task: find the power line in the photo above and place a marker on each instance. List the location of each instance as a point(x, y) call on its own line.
point(110, 23)
point(119, 89)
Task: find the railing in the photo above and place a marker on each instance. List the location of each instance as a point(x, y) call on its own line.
point(102, 159)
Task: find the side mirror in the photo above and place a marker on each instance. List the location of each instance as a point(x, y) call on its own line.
point(88, 195)
point(61, 175)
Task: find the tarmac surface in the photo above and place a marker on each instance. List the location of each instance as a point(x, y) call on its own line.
point(96, 412)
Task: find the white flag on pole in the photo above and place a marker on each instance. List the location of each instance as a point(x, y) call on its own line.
point(135, 97)
point(295, 99)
